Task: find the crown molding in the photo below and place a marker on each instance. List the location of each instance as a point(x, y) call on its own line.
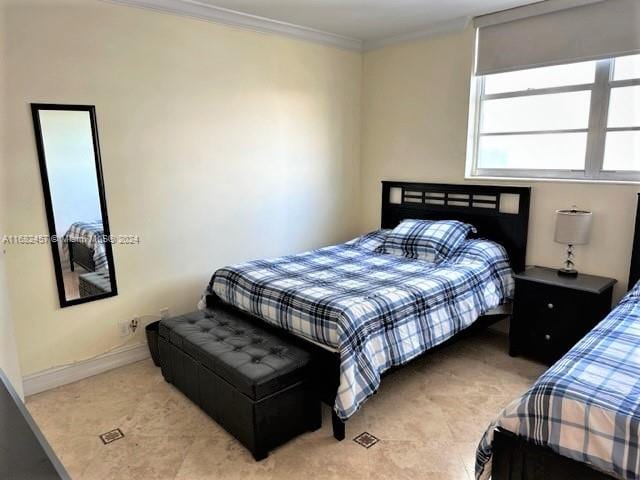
point(455, 25)
point(205, 11)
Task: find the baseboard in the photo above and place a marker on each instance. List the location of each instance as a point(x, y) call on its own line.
point(55, 377)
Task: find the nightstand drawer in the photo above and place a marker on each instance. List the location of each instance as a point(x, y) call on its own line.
point(543, 314)
point(541, 301)
point(549, 319)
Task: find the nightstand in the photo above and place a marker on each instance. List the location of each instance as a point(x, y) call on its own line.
point(551, 313)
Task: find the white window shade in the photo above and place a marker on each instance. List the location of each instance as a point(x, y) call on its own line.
point(524, 37)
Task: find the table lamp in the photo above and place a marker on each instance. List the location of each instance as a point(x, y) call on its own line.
point(572, 228)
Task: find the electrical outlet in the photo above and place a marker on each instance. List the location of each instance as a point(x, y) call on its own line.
point(133, 324)
point(124, 328)
point(164, 312)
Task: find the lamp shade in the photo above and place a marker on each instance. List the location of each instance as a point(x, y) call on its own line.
point(573, 226)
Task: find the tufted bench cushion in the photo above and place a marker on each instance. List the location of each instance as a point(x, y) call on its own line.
point(254, 361)
point(94, 283)
point(250, 380)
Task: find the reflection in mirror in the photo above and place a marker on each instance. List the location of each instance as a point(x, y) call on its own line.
point(67, 141)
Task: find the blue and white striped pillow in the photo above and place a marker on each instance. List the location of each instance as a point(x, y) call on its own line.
point(427, 240)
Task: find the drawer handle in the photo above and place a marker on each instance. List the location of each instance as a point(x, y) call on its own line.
point(550, 306)
point(547, 337)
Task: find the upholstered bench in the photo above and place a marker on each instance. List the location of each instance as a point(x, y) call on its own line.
point(94, 283)
point(246, 377)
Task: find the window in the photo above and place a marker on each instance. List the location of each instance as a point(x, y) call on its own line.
point(575, 121)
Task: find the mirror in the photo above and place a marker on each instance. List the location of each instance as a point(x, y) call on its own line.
point(71, 172)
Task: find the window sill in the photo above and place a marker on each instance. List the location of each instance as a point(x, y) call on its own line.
point(550, 180)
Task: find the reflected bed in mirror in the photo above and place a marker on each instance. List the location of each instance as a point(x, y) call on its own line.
point(71, 171)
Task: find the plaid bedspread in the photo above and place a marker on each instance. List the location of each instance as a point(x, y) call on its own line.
point(92, 235)
point(586, 406)
point(378, 310)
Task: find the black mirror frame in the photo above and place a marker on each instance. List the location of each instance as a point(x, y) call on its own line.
point(91, 109)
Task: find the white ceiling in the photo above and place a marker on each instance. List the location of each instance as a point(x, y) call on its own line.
point(351, 24)
point(368, 20)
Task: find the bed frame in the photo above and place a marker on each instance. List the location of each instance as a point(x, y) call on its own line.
point(483, 206)
point(634, 268)
point(81, 255)
point(516, 458)
point(480, 205)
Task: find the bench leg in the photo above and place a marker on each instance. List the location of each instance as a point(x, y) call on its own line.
point(315, 417)
point(259, 455)
point(338, 426)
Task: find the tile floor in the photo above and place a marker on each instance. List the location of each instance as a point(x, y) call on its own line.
point(429, 417)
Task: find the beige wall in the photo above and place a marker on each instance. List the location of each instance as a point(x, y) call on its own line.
point(9, 363)
point(219, 145)
point(415, 107)
point(8, 353)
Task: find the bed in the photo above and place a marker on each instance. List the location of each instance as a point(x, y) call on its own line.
point(85, 246)
point(368, 312)
point(581, 418)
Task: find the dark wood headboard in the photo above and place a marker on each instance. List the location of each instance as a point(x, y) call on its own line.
point(634, 268)
point(478, 205)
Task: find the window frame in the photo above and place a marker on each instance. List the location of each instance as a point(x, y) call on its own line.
point(596, 130)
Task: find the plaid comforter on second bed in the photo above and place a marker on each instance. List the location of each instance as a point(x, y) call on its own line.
point(587, 405)
point(378, 310)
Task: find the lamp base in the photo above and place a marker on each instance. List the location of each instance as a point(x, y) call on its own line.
point(567, 272)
